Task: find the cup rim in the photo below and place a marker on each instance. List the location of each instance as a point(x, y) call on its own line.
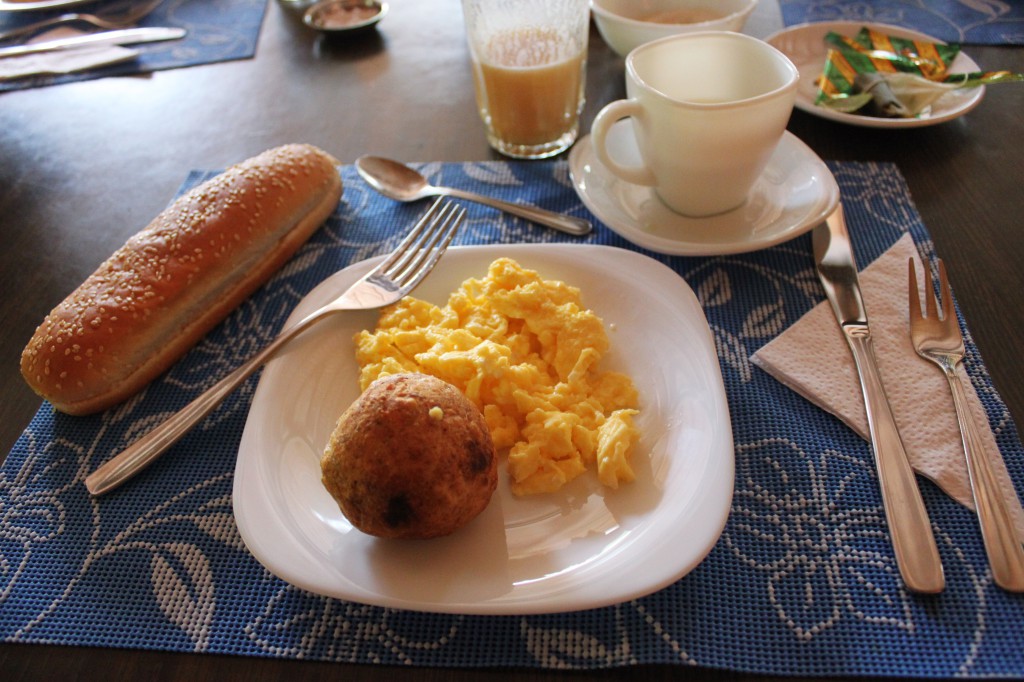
point(638, 23)
point(790, 84)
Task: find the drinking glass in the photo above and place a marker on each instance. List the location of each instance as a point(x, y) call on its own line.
point(529, 66)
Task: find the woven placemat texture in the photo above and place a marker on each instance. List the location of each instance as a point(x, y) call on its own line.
point(978, 22)
point(802, 581)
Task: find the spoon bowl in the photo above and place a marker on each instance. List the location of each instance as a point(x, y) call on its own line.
point(397, 181)
point(393, 179)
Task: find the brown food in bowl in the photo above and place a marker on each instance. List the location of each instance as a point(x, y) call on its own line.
point(411, 458)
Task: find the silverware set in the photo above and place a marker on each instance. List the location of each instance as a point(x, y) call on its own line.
point(121, 25)
point(936, 337)
point(121, 18)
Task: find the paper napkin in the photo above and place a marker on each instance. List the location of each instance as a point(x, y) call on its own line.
point(812, 358)
point(62, 61)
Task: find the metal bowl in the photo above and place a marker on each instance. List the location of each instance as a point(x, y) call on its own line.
point(341, 16)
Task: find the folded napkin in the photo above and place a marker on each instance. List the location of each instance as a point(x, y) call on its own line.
point(63, 61)
point(812, 358)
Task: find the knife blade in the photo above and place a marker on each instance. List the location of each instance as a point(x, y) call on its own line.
point(124, 36)
point(917, 555)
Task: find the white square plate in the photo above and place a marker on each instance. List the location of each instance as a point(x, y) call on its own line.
point(582, 547)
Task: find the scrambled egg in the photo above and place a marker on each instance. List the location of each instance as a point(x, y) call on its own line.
point(525, 351)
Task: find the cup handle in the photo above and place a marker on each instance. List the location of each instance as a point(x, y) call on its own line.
point(609, 115)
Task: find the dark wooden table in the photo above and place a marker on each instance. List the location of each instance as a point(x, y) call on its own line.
point(84, 166)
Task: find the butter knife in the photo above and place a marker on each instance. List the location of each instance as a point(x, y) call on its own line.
point(910, 531)
point(124, 36)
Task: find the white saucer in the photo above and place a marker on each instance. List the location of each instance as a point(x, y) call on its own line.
point(805, 47)
point(795, 193)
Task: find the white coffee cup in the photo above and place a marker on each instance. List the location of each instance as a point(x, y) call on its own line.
point(708, 110)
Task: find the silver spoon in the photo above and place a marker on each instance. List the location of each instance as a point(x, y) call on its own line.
point(401, 183)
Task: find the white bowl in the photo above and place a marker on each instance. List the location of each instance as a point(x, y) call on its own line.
point(625, 24)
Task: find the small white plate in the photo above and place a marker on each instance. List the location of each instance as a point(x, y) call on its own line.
point(7, 6)
point(581, 548)
point(805, 46)
point(795, 193)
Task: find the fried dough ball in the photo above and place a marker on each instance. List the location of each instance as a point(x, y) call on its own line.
point(411, 458)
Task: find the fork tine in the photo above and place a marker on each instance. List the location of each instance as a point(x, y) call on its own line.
point(915, 295)
point(433, 251)
point(946, 293)
point(402, 249)
point(417, 253)
point(929, 297)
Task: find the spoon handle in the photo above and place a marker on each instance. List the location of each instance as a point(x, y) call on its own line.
point(564, 223)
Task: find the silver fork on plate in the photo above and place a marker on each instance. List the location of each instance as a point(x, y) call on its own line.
point(938, 339)
point(109, 20)
point(391, 280)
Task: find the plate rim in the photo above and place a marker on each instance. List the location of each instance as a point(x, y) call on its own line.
point(713, 516)
point(875, 121)
point(680, 247)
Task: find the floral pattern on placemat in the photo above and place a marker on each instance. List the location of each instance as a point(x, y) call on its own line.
point(802, 581)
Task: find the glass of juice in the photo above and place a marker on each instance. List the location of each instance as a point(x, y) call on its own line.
point(529, 63)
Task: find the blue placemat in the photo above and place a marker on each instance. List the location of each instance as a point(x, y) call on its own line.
point(802, 581)
point(981, 22)
point(218, 31)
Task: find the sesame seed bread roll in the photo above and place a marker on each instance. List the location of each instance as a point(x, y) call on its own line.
point(171, 283)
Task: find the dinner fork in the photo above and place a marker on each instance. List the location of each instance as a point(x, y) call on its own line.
point(937, 338)
point(109, 20)
point(387, 283)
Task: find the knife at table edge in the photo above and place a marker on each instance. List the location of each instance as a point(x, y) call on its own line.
point(124, 36)
point(917, 555)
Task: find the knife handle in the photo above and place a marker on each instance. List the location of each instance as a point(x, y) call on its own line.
point(917, 556)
